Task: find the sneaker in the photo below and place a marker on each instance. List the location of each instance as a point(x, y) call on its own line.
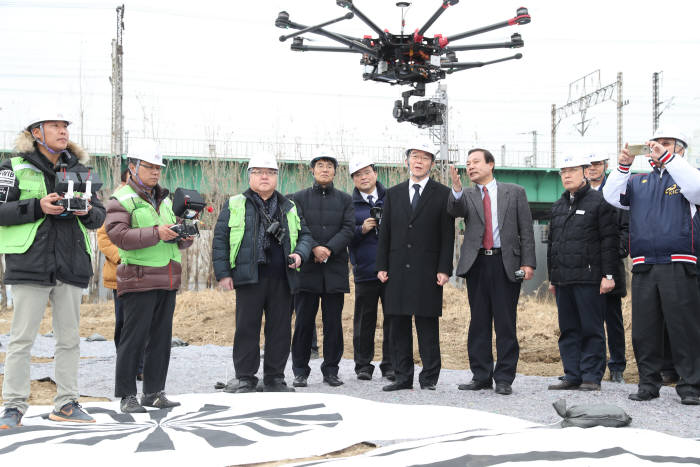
point(158, 400)
point(130, 404)
point(616, 377)
point(71, 412)
point(11, 418)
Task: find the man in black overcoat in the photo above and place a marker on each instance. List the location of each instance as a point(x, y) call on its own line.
point(414, 259)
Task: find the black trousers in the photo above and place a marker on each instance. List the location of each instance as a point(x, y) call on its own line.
point(271, 296)
point(666, 294)
point(428, 330)
point(306, 305)
point(119, 324)
point(367, 296)
point(616, 332)
point(148, 327)
point(582, 339)
point(493, 299)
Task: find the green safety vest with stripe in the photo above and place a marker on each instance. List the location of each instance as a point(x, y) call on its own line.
point(16, 239)
point(236, 222)
point(144, 215)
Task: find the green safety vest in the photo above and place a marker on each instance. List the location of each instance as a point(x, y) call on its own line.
point(16, 239)
point(236, 222)
point(144, 215)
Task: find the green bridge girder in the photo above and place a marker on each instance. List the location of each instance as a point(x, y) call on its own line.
point(542, 185)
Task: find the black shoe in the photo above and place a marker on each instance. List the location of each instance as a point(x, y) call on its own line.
point(364, 375)
point(564, 385)
point(616, 377)
point(139, 376)
point(300, 382)
point(314, 354)
point(158, 400)
point(130, 404)
point(475, 385)
point(428, 386)
point(503, 389)
point(397, 386)
point(243, 386)
point(277, 386)
point(589, 386)
point(690, 400)
point(642, 396)
point(562, 377)
point(332, 380)
point(390, 375)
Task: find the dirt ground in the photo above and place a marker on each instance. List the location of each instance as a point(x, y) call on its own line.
point(207, 317)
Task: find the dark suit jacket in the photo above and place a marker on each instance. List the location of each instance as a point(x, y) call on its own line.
point(413, 247)
point(514, 223)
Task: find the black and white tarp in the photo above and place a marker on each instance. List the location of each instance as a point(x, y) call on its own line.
point(227, 429)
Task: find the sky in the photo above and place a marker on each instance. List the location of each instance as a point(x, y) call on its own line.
point(215, 70)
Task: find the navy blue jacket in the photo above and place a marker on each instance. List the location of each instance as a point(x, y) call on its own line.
point(661, 226)
point(363, 247)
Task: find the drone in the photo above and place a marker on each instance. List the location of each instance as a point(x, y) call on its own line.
point(406, 59)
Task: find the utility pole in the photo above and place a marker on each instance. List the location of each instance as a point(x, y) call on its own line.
point(532, 160)
point(117, 143)
point(655, 101)
point(440, 134)
point(620, 104)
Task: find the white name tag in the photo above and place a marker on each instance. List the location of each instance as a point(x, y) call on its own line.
point(579, 211)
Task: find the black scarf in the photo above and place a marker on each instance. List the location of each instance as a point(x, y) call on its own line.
point(267, 211)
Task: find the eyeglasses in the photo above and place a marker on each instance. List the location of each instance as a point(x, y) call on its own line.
point(154, 168)
point(260, 173)
point(568, 170)
point(418, 157)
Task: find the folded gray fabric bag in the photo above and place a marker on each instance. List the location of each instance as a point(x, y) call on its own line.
point(586, 416)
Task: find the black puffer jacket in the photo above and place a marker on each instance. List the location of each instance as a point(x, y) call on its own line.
point(59, 251)
point(623, 223)
point(583, 239)
point(331, 218)
point(247, 269)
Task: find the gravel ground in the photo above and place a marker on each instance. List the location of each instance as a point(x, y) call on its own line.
point(195, 369)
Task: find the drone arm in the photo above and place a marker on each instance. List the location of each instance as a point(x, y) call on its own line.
point(459, 66)
point(350, 6)
point(345, 40)
point(349, 15)
point(299, 47)
point(515, 42)
point(522, 17)
point(418, 36)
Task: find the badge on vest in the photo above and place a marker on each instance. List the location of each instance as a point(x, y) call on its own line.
point(580, 211)
point(7, 181)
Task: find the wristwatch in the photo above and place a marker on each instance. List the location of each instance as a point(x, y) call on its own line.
point(609, 277)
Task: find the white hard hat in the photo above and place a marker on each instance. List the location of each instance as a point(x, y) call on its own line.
point(146, 150)
point(574, 161)
point(670, 131)
point(597, 158)
point(51, 116)
point(358, 163)
point(263, 161)
point(425, 147)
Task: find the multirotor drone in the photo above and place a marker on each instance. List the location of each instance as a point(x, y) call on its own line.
point(406, 59)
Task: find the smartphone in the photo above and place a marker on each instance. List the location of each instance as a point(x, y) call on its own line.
point(638, 149)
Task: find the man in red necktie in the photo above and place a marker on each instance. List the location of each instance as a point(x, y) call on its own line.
point(498, 241)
